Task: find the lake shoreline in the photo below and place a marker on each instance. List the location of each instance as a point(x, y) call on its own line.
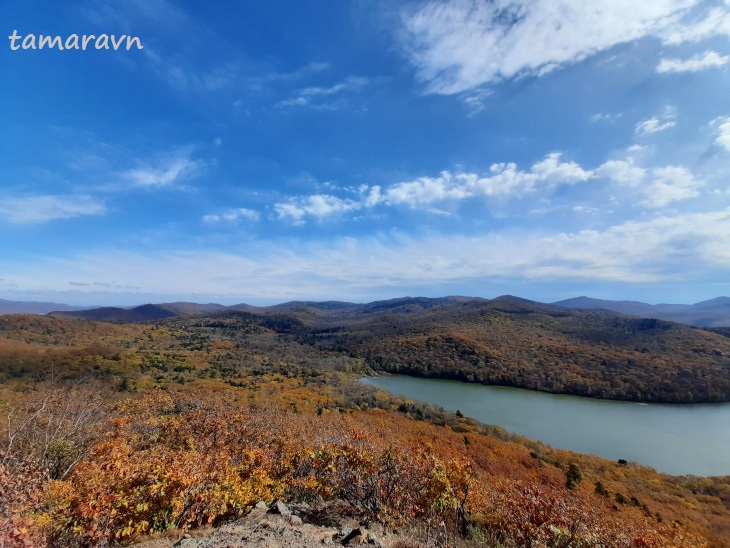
point(677, 439)
point(417, 375)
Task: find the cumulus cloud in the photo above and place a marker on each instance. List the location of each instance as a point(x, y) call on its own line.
point(459, 45)
point(672, 184)
point(623, 172)
point(232, 216)
point(318, 206)
point(503, 180)
point(45, 208)
point(659, 187)
point(654, 187)
point(723, 134)
point(697, 63)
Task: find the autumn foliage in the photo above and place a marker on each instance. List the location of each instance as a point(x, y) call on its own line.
point(169, 460)
point(141, 429)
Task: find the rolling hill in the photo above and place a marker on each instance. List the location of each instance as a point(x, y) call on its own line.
point(144, 313)
point(516, 342)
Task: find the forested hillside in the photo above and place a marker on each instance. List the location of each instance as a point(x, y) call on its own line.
point(115, 432)
point(514, 342)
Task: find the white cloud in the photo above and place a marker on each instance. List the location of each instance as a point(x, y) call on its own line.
point(504, 180)
point(723, 134)
point(693, 29)
point(232, 216)
point(660, 249)
point(428, 190)
point(312, 96)
point(604, 117)
point(702, 61)
point(657, 123)
point(655, 187)
point(659, 187)
point(672, 184)
point(44, 208)
point(623, 172)
point(317, 205)
point(459, 45)
point(165, 172)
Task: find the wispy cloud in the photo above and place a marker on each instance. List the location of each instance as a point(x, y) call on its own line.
point(45, 208)
point(699, 25)
point(678, 247)
point(232, 216)
point(657, 123)
point(166, 171)
point(458, 45)
point(702, 61)
point(318, 97)
point(260, 83)
point(605, 117)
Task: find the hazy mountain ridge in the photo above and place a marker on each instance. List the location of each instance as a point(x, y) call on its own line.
point(711, 313)
point(33, 307)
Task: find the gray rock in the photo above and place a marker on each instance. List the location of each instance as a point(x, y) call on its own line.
point(280, 508)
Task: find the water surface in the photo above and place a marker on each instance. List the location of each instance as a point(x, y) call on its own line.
point(675, 439)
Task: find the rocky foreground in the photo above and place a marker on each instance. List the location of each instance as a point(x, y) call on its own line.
point(292, 525)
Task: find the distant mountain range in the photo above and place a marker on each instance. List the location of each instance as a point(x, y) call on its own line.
point(711, 313)
point(33, 307)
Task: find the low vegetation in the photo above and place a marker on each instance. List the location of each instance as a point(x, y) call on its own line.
point(115, 432)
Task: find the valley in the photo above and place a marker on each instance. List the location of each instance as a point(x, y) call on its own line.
point(122, 397)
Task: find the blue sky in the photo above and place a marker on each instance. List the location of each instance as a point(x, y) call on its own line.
point(272, 150)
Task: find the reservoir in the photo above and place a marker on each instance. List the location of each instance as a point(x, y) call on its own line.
point(675, 439)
